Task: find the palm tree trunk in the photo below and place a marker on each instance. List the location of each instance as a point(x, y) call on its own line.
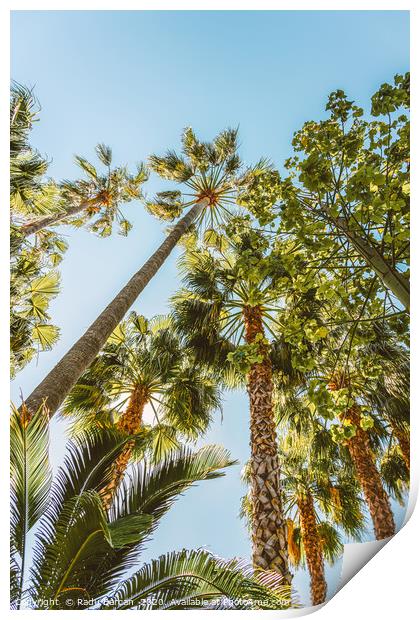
point(129, 423)
point(313, 548)
point(391, 278)
point(50, 220)
point(369, 478)
point(269, 531)
point(56, 385)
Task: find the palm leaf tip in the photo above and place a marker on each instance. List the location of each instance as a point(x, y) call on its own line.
point(171, 167)
point(104, 154)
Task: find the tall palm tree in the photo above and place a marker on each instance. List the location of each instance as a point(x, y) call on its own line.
point(143, 364)
point(340, 390)
point(224, 313)
point(356, 440)
point(321, 500)
point(99, 196)
point(208, 175)
point(82, 554)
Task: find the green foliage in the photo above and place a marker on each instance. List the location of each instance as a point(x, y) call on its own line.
point(33, 281)
point(191, 579)
point(36, 199)
point(82, 554)
point(207, 170)
point(245, 356)
point(102, 195)
point(335, 333)
point(147, 355)
point(32, 288)
point(260, 189)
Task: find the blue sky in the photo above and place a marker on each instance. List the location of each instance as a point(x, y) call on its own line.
point(134, 80)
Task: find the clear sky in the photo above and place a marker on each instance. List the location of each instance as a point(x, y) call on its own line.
point(134, 80)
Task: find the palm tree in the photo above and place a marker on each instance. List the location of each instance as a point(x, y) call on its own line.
point(321, 500)
point(143, 364)
point(82, 554)
point(33, 279)
point(209, 177)
point(27, 166)
point(356, 440)
point(344, 392)
point(224, 313)
point(99, 196)
point(321, 497)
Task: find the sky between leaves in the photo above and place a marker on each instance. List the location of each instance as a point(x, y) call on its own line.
point(134, 80)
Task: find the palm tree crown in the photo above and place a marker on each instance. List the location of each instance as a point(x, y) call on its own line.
point(207, 170)
point(144, 364)
point(146, 356)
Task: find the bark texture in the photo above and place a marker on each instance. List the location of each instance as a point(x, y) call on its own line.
point(129, 423)
point(60, 380)
point(50, 220)
point(369, 478)
point(269, 530)
point(313, 548)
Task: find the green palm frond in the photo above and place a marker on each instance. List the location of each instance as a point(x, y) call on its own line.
point(30, 480)
point(85, 553)
point(226, 144)
point(189, 401)
point(104, 154)
point(171, 167)
point(332, 545)
point(163, 440)
point(15, 590)
point(71, 549)
point(166, 205)
point(24, 109)
point(394, 474)
point(74, 538)
point(153, 489)
point(87, 464)
point(175, 580)
point(87, 167)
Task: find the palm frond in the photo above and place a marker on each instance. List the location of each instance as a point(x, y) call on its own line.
point(153, 489)
point(175, 579)
point(30, 473)
point(104, 154)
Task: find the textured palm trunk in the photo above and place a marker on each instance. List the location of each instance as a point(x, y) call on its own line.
point(60, 380)
point(392, 279)
point(313, 548)
point(50, 220)
point(269, 531)
point(369, 478)
point(129, 423)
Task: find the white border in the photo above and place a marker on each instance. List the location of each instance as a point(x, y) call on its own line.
point(388, 585)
